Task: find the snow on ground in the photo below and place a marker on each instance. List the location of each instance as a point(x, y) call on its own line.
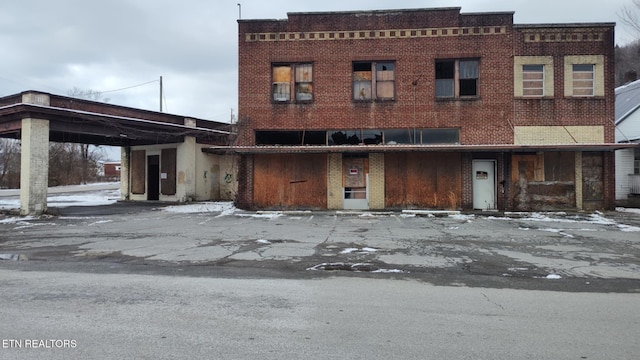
point(109, 193)
point(224, 208)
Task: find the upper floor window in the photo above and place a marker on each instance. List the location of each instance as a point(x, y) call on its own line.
point(533, 76)
point(583, 75)
point(298, 77)
point(456, 78)
point(533, 80)
point(374, 80)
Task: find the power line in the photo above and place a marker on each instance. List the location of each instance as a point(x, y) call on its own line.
point(130, 87)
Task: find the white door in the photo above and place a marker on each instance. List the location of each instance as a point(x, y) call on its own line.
point(484, 184)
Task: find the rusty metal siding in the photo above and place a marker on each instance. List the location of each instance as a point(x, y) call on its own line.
point(138, 174)
point(290, 181)
point(431, 180)
point(168, 167)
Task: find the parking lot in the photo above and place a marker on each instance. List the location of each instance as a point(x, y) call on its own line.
point(561, 251)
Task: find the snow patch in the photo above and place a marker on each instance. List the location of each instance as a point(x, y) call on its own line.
point(358, 250)
point(628, 228)
point(224, 208)
point(389, 271)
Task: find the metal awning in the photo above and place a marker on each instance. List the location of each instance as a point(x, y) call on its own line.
point(308, 149)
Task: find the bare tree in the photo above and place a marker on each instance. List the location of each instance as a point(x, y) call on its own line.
point(88, 94)
point(9, 163)
point(66, 159)
point(630, 16)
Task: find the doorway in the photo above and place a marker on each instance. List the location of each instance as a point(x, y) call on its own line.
point(355, 180)
point(153, 177)
point(484, 184)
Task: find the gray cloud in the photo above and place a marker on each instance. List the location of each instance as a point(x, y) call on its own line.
point(55, 46)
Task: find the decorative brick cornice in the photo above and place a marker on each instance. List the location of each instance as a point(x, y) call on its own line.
point(376, 34)
point(564, 35)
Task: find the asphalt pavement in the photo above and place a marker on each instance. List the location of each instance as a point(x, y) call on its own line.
point(593, 252)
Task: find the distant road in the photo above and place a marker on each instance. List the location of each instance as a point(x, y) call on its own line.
point(68, 189)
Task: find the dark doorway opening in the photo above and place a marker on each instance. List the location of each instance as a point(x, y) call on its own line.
point(153, 177)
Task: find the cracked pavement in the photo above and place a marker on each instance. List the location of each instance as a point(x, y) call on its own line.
point(555, 251)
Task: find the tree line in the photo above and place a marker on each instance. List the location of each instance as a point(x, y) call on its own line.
point(69, 164)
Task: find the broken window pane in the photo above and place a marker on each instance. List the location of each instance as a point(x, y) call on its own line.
point(344, 137)
point(399, 136)
point(464, 71)
point(281, 83)
point(372, 137)
point(304, 78)
point(362, 77)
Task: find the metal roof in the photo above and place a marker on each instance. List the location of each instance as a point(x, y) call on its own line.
point(627, 100)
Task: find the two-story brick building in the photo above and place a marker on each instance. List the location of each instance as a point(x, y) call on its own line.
point(424, 108)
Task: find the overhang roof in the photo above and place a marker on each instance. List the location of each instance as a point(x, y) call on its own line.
point(414, 148)
point(89, 122)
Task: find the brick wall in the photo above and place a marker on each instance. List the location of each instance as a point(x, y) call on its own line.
point(398, 36)
point(376, 181)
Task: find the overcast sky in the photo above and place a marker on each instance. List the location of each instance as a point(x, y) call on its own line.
point(107, 45)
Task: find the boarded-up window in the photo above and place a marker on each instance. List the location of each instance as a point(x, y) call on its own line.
point(533, 80)
point(296, 76)
point(385, 81)
point(374, 80)
point(583, 79)
point(138, 173)
point(281, 83)
point(559, 166)
point(362, 76)
point(304, 82)
point(168, 172)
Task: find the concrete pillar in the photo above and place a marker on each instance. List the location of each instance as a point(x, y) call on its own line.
point(125, 170)
point(186, 166)
point(34, 166)
point(186, 163)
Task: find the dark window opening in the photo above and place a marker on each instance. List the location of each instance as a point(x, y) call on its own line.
point(291, 138)
point(440, 136)
point(400, 136)
point(456, 78)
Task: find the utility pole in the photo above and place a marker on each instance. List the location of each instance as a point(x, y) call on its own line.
point(160, 93)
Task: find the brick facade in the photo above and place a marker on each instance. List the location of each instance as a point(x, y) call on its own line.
point(414, 42)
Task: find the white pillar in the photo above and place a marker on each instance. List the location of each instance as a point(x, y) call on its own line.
point(34, 166)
